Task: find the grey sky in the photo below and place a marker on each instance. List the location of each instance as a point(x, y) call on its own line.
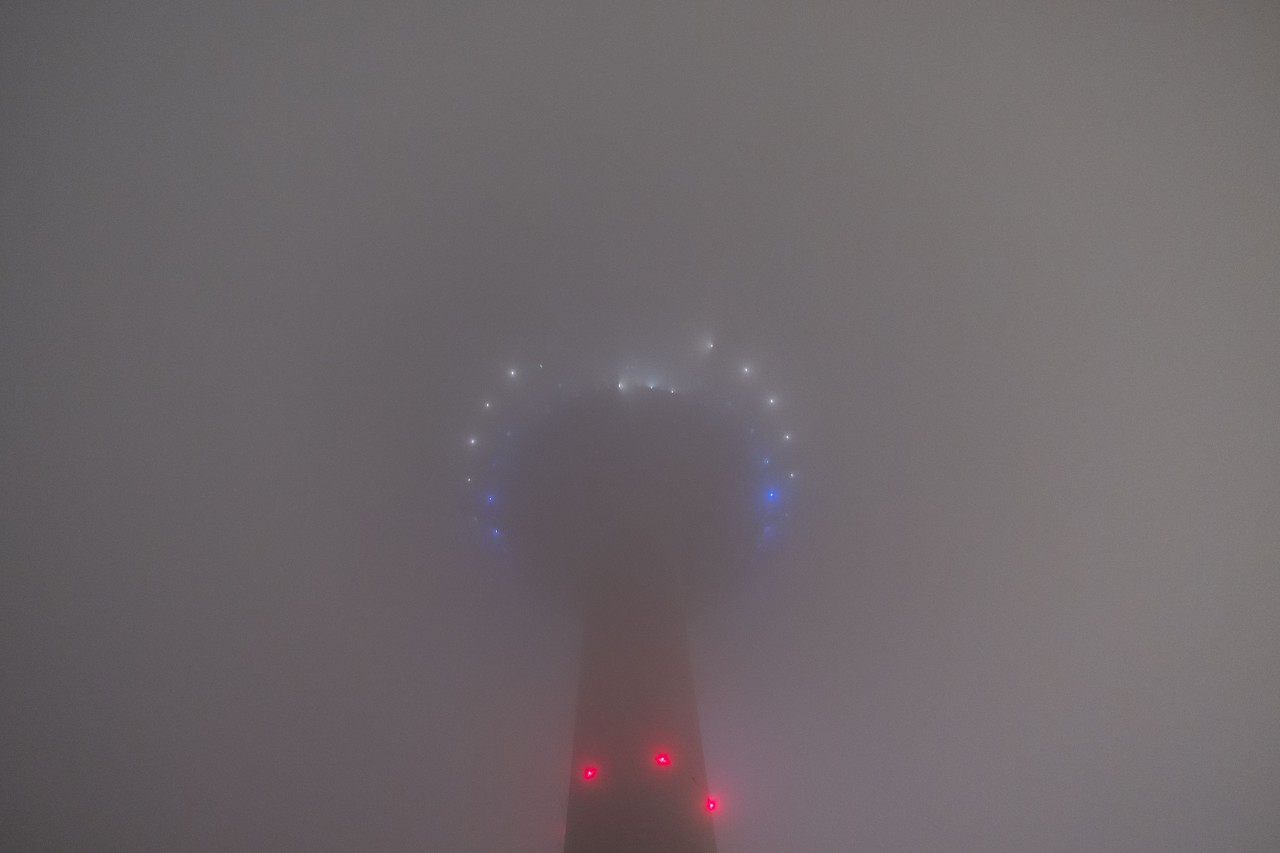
point(1014, 266)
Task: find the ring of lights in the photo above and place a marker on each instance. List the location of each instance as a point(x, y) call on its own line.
point(539, 438)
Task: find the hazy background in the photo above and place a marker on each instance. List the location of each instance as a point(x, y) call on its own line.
point(1013, 266)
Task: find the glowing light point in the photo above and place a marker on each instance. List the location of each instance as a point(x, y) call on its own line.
point(589, 772)
point(471, 440)
point(488, 498)
point(512, 373)
point(786, 437)
point(773, 401)
point(792, 475)
point(711, 804)
point(662, 758)
point(772, 494)
point(746, 369)
point(488, 405)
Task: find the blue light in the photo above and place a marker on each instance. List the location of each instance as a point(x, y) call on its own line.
point(496, 532)
point(771, 495)
point(489, 498)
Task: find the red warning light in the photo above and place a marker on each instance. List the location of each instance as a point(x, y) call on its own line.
point(711, 804)
point(589, 773)
point(662, 758)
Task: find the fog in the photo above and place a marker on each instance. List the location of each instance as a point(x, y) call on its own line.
point(1013, 269)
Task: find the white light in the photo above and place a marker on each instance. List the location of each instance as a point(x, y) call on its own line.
point(773, 401)
point(619, 386)
point(471, 440)
point(792, 475)
point(711, 344)
point(787, 437)
point(651, 384)
point(746, 368)
point(488, 405)
point(468, 479)
point(512, 373)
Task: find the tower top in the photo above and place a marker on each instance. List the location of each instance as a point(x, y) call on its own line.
point(613, 484)
point(593, 489)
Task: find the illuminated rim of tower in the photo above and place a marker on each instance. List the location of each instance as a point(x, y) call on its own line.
point(525, 393)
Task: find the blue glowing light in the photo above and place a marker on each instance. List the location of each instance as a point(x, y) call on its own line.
point(771, 495)
point(489, 498)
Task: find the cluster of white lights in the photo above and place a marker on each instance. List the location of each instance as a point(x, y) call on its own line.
point(483, 468)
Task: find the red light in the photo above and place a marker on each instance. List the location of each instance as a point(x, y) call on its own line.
point(711, 804)
point(662, 758)
point(589, 772)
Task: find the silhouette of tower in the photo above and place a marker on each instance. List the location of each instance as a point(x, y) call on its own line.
point(641, 504)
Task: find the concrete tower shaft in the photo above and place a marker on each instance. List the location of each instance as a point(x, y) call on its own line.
point(638, 781)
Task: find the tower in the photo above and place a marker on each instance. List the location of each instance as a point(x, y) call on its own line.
point(641, 504)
